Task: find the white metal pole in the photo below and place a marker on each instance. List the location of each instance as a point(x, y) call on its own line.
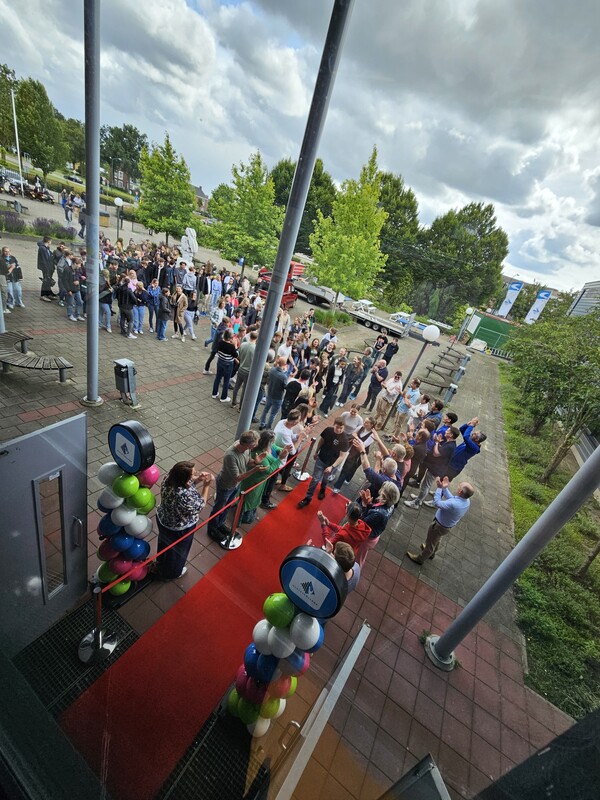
point(12, 94)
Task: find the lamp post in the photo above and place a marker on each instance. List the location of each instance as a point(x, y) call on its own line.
point(119, 204)
point(430, 334)
point(469, 312)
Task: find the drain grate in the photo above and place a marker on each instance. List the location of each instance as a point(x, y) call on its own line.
point(217, 764)
point(50, 663)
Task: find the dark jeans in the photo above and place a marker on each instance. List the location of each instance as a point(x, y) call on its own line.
point(371, 397)
point(270, 411)
point(171, 563)
point(329, 399)
point(223, 496)
point(126, 320)
point(161, 329)
point(240, 383)
point(318, 476)
point(224, 370)
point(46, 290)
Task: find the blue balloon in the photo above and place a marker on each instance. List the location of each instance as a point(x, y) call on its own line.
point(139, 550)
point(296, 660)
point(265, 667)
point(121, 541)
point(251, 655)
point(107, 527)
point(319, 642)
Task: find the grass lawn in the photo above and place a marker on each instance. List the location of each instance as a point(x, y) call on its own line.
point(558, 614)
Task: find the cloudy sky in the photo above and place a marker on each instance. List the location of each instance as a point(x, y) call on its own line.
point(468, 100)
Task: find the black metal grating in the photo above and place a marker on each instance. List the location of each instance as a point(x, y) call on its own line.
point(51, 665)
point(217, 764)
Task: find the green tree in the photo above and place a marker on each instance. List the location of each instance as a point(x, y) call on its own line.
point(8, 81)
point(249, 221)
point(168, 200)
point(122, 147)
point(321, 195)
point(556, 364)
point(345, 246)
point(461, 254)
point(73, 131)
point(40, 131)
point(398, 234)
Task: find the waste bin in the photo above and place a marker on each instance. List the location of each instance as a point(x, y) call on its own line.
point(104, 218)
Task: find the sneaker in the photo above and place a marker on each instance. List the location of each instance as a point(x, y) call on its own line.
point(141, 333)
point(214, 396)
point(60, 302)
point(131, 336)
point(151, 330)
point(226, 399)
point(194, 338)
point(429, 503)
point(73, 319)
point(21, 305)
point(411, 504)
point(303, 503)
point(206, 372)
point(183, 572)
point(80, 319)
point(336, 491)
point(175, 336)
point(6, 311)
point(268, 506)
point(109, 330)
point(182, 337)
point(413, 495)
point(46, 300)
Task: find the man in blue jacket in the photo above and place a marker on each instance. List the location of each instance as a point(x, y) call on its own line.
point(469, 447)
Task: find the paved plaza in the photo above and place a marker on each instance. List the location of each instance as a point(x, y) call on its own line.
point(479, 720)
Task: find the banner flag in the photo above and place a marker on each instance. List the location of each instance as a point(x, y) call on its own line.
point(536, 309)
point(514, 287)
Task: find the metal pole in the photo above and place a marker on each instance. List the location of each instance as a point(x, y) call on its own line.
point(297, 200)
point(91, 23)
point(308, 453)
point(405, 384)
point(234, 540)
point(581, 486)
point(14, 110)
point(97, 644)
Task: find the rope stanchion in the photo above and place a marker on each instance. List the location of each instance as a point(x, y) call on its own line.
point(234, 539)
point(97, 644)
point(308, 455)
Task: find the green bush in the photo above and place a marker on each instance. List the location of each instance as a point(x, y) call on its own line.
point(332, 319)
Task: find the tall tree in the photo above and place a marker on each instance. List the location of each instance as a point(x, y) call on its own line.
point(321, 194)
point(40, 132)
point(122, 147)
point(249, 221)
point(8, 81)
point(399, 232)
point(461, 254)
point(168, 200)
point(74, 138)
point(345, 246)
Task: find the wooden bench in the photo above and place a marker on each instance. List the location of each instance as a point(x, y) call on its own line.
point(10, 357)
point(16, 205)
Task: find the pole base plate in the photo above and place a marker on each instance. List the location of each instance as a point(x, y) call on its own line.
point(445, 664)
point(233, 542)
point(95, 647)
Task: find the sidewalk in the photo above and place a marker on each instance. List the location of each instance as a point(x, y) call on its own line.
point(479, 720)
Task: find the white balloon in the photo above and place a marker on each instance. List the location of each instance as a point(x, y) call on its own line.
point(280, 710)
point(109, 499)
point(123, 515)
point(304, 631)
point(260, 637)
point(108, 472)
point(138, 525)
point(280, 642)
point(147, 530)
point(259, 728)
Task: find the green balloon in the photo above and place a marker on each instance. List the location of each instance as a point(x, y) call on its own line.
point(105, 574)
point(120, 588)
point(232, 703)
point(140, 499)
point(149, 506)
point(270, 707)
point(279, 610)
point(125, 485)
point(248, 712)
point(293, 686)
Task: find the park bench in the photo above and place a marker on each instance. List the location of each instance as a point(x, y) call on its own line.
point(16, 205)
point(9, 356)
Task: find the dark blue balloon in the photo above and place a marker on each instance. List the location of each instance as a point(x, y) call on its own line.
point(251, 655)
point(139, 550)
point(107, 527)
point(296, 660)
point(121, 541)
point(319, 641)
point(266, 667)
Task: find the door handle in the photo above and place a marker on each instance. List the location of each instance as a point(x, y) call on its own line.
point(289, 734)
point(77, 532)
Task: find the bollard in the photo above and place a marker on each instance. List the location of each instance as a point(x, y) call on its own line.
point(466, 359)
point(458, 374)
point(450, 392)
point(234, 539)
point(302, 470)
point(97, 644)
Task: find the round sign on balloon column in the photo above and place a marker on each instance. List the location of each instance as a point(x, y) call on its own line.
point(313, 581)
point(131, 446)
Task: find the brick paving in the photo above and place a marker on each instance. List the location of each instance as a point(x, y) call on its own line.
point(477, 721)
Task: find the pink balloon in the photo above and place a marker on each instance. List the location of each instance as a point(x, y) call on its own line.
point(255, 691)
point(139, 573)
point(149, 476)
point(106, 552)
point(241, 680)
point(306, 664)
point(120, 565)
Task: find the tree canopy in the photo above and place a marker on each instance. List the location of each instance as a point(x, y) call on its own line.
point(73, 131)
point(40, 131)
point(168, 200)
point(249, 221)
point(122, 146)
point(345, 246)
point(8, 81)
point(321, 195)
point(399, 232)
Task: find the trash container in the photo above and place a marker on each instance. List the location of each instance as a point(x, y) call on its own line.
point(104, 218)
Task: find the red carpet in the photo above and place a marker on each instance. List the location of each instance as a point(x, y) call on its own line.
point(137, 720)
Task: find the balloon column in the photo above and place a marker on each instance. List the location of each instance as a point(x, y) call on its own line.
point(126, 501)
point(284, 641)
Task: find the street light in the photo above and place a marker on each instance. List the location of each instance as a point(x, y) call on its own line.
point(118, 203)
point(466, 320)
point(430, 334)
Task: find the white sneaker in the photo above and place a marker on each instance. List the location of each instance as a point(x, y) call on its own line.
point(429, 503)
point(6, 311)
point(80, 319)
point(131, 336)
point(182, 337)
point(73, 319)
point(109, 330)
point(194, 338)
point(214, 396)
point(226, 399)
point(151, 330)
point(175, 336)
point(411, 504)
point(336, 491)
point(140, 333)
point(206, 372)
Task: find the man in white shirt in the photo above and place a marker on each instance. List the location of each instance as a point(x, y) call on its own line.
point(390, 391)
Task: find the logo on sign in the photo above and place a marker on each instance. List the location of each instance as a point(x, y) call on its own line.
point(124, 449)
point(308, 588)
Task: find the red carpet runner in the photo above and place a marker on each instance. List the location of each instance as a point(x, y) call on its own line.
point(136, 721)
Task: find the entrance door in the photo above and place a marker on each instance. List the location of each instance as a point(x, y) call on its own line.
point(43, 529)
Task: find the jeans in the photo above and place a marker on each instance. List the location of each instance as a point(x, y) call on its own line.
point(213, 333)
point(223, 496)
point(328, 400)
point(161, 329)
point(371, 397)
point(14, 292)
point(138, 318)
point(426, 484)
point(318, 476)
point(270, 411)
point(171, 563)
point(224, 370)
point(240, 383)
point(126, 320)
point(104, 313)
point(74, 304)
point(153, 317)
point(188, 327)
